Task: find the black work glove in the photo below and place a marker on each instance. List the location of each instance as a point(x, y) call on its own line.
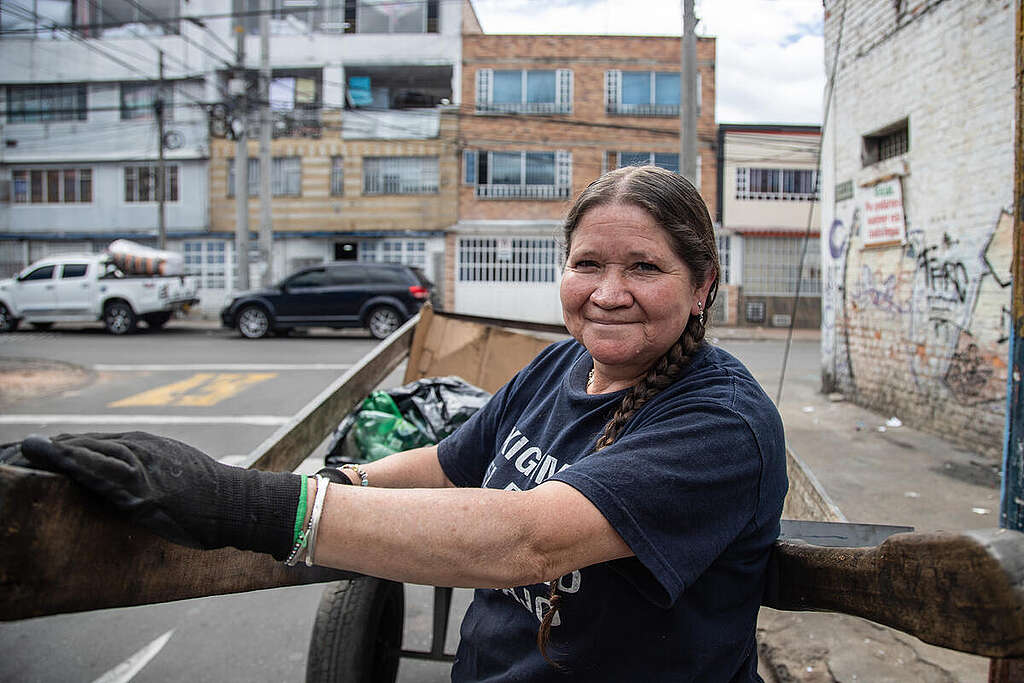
point(176, 491)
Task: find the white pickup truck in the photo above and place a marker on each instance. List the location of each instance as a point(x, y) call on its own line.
point(90, 287)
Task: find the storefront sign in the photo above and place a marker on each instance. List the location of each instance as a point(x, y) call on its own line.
point(883, 214)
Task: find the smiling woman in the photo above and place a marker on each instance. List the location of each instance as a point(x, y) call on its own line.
point(614, 504)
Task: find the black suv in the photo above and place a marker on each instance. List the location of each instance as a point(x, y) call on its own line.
point(377, 296)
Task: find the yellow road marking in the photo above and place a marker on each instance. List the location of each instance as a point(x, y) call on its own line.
point(201, 389)
point(225, 385)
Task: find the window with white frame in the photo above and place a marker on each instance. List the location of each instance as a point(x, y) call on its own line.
point(388, 16)
point(137, 101)
point(790, 184)
point(207, 260)
point(337, 176)
point(502, 259)
point(285, 177)
point(771, 266)
point(140, 183)
point(724, 245)
point(522, 91)
point(346, 16)
point(51, 185)
point(410, 252)
point(667, 161)
point(645, 93)
point(519, 175)
point(29, 103)
point(400, 175)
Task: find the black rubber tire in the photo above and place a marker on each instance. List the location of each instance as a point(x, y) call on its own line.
point(254, 322)
point(119, 318)
point(357, 635)
point(382, 321)
point(8, 323)
point(155, 321)
point(41, 326)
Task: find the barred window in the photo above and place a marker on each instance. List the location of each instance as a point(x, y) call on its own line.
point(140, 183)
point(337, 176)
point(27, 103)
point(789, 184)
point(887, 143)
point(52, 186)
point(400, 175)
point(524, 91)
point(507, 260)
point(285, 177)
point(521, 175)
point(724, 245)
point(207, 260)
point(645, 93)
point(771, 266)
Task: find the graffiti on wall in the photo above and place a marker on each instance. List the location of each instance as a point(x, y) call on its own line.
point(940, 303)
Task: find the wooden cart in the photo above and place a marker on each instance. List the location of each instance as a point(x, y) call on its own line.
point(58, 547)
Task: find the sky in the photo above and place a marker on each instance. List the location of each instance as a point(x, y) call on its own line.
point(770, 53)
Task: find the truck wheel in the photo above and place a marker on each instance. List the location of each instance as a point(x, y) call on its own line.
point(8, 323)
point(157, 320)
point(253, 322)
point(382, 321)
point(119, 318)
point(357, 635)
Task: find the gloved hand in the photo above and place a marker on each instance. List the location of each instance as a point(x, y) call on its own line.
point(177, 491)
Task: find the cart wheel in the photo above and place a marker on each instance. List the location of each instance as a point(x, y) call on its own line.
point(357, 635)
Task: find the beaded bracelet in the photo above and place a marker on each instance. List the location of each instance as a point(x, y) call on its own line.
point(363, 479)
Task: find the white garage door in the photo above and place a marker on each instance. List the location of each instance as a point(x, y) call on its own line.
point(508, 277)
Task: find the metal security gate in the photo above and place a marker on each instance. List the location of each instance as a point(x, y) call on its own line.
point(508, 277)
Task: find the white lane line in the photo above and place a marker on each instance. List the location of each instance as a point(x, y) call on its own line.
point(256, 420)
point(126, 670)
point(241, 367)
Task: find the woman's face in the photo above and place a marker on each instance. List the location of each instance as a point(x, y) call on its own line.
point(626, 295)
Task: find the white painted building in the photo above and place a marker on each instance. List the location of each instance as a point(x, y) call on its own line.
point(769, 225)
point(80, 140)
point(917, 199)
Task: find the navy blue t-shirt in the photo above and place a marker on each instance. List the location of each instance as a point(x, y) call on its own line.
point(694, 485)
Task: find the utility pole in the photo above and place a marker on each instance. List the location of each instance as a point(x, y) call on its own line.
point(241, 165)
point(161, 173)
point(266, 214)
point(688, 96)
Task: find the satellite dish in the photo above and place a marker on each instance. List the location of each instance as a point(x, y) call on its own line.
point(173, 139)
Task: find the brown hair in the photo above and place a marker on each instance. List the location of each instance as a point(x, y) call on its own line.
point(678, 208)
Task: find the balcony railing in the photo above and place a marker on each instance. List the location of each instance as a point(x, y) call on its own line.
point(524, 108)
point(522, 192)
point(644, 109)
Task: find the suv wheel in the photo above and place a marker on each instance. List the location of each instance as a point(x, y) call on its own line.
point(119, 317)
point(8, 323)
point(253, 322)
point(382, 321)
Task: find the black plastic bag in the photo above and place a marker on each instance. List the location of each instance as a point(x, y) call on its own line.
point(417, 414)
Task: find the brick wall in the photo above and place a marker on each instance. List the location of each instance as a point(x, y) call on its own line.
point(919, 329)
point(588, 132)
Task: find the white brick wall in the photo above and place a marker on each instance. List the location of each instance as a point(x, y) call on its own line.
point(918, 329)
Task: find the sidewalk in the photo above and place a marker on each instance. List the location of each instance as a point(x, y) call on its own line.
point(882, 475)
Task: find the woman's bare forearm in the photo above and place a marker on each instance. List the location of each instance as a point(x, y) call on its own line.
point(416, 468)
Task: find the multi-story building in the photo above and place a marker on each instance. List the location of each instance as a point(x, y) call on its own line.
point(769, 225)
point(917, 194)
point(78, 118)
point(542, 116)
point(364, 158)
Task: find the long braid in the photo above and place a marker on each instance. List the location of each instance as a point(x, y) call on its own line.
point(665, 371)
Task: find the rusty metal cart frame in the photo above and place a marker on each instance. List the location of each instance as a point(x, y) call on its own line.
point(58, 547)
